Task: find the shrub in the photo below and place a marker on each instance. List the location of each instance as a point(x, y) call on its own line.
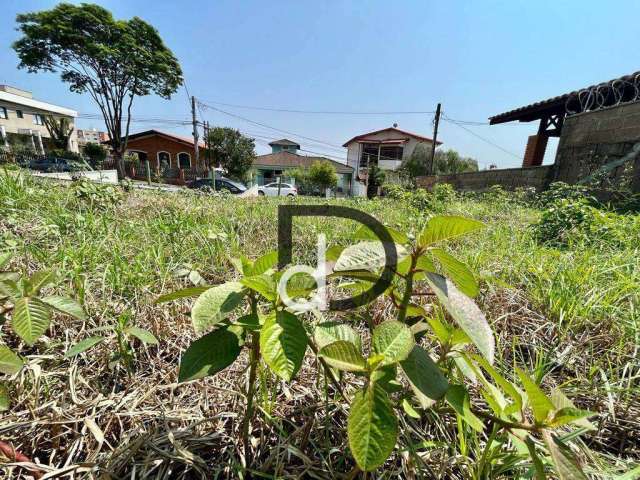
point(563, 191)
point(444, 193)
point(96, 153)
point(101, 197)
point(395, 191)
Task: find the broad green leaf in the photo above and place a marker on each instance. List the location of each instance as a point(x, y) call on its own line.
point(441, 330)
point(465, 312)
point(502, 382)
point(283, 342)
point(145, 336)
point(384, 376)
point(560, 402)
point(329, 332)
point(394, 340)
point(569, 415)
point(263, 284)
point(65, 305)
point(184, 293)
point(344, 356)
point(215, 305)
point(4, 258)
point(209, 354)
point(264, 263)
point(366, 256)
point(9, 288)
point(38, 281)
point(408, 409)
point(365, 233)
point(30, 318)
point(83, 346)
point(10, 363)
point(539, 402)
point(563, 460)
point(426, 380)
point(333, 253)
point(457, 271)
point(445, 227)
point(425, 264)
point(535, 459)
point(4, 398)
point(372, 427)
point(458, 397)
point(248, 322)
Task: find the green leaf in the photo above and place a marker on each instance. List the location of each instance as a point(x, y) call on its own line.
point(569, 415)
point(38, 281)
point(283, 342)
point(633, 474)
point(248, 322)
point(365, 233)
point(83, 345)
point(458, 397)
point(329, 332)
point(145, 336)
point(465, 312)
point(393, 340)
point(184, 293)
point(10, 363)
point(458, 272)
point(425, 377)
point(263, 284)
point(4, 398)
point(209, 354)
point(4, 258)
point(344, 356)
point(65, 305)
point(30, 318)
point(264, 263)
point(502, 382)
point(372, 427)
point(9, 288)
point(333, 253)
point(215, 305)
point(366, 256)
point(446, 227)
point(408, 409)
point(563, 460)
point(561, 402)
point(540, 403)
point(535, 459)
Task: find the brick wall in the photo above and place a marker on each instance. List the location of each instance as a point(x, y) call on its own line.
point(154, 144)
point(509, 178)
point(534, 153)
point(589, 140)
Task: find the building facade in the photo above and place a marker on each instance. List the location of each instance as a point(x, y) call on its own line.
point(163, 150)
point(22, 125)
point(91, 136)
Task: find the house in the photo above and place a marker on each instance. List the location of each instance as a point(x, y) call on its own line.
point(386, 148)
point(22, 124)
point(284, 156)
point(164, 150)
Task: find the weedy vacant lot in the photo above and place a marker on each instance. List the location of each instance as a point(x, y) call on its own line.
point(565, 311)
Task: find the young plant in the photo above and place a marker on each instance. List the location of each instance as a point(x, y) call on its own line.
point(28, 312)
point(521, 415)
point(124, 333)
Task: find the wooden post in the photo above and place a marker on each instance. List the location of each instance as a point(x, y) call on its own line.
point(195, 131)
point(279, 183)
point(146, 165)
point(436, 122)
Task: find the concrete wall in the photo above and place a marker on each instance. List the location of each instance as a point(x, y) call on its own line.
point(100, 176)
point(590, 140)
point(509, 178)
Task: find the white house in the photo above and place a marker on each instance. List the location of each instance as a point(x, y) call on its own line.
point(22, 120)
point(386, 148)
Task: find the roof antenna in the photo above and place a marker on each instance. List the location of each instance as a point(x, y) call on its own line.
point(395, 125)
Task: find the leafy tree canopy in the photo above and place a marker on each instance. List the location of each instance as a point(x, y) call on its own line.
point(323, 175)
point(446, 162)
point(232, 151)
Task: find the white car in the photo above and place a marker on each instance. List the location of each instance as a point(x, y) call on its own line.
point(271, 190)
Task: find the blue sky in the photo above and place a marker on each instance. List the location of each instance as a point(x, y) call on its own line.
point(477, 58)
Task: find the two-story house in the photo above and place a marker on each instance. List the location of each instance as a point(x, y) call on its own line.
point(386, 148)
point(22, 121)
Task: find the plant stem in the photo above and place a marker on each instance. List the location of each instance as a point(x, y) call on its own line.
point(254, 358)
point(408, 289)
point(334, 381)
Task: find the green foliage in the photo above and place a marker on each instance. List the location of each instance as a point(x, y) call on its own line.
point(96, 153)
point(60, 129)
point(563, 191)
point(96, 196)
point(322, 175)
point(445, 162)
point(231, 151)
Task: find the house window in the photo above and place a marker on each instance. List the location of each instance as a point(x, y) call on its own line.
point(19, 114)
point(184, 160)
point(164, 159)
point(369, 155)
point(37, 119)
point(3, 113)
point(391, 153)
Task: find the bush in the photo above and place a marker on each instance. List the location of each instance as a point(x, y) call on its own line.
point(443, 193)
point(564, 191)
point(101, 197)
point(96, 154)
point(395, 191)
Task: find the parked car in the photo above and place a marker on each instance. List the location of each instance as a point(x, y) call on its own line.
point(222, 183)
point(51, 164)
point(271, 190)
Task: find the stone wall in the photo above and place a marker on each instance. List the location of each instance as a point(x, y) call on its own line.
point(508, 178)
point(590, 140)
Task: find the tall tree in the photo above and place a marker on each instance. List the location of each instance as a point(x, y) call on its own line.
point(323, 175)
point(232, 151)
point(447, 161)
point(60, 129)
point(112, 60)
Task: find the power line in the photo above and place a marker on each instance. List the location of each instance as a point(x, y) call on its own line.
point(447, 119)
point(319, 112)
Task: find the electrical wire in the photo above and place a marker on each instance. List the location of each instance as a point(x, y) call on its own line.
point(447, 119)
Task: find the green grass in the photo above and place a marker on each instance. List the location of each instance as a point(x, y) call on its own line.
point(586, 296)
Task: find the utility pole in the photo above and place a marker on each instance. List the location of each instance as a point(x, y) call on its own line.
point(436, 122)
point(195, 131)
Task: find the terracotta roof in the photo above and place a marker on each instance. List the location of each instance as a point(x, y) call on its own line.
point(285, 141)
point(552, 105)
point(171, 136)
point(390, 129)
point(292, 160)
